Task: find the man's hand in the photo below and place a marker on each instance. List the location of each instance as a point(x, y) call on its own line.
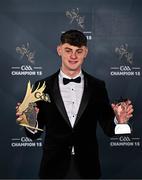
point(123, 111)
point(20, 117)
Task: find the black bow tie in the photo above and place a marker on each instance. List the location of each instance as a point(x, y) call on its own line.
point(76, 80)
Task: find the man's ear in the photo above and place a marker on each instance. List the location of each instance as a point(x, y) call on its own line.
point(86, 52)
point(59, 51)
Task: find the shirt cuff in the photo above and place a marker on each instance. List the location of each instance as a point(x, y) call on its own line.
point(115, 121)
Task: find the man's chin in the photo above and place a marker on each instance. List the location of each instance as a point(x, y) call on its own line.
point(74, 69)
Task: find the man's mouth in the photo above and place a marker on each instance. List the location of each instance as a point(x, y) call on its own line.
point(73, 62)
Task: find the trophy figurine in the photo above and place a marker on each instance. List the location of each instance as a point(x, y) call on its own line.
point(27, 107)
point(122, 128)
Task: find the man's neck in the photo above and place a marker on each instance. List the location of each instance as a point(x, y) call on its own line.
point(71, 74)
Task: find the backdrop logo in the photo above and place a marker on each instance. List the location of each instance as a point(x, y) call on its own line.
point(74, 16)
point(125, 71)
point(25, 142)
point(124, 54)
point(24, 51)
point(26, 70)
point(125, 141)
point(28, 56)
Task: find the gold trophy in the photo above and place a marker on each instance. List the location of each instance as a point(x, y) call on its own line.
point(28, 117)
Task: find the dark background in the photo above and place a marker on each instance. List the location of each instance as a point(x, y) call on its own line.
point(40, 22)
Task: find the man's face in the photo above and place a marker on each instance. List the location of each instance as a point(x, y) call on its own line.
point(72, 57)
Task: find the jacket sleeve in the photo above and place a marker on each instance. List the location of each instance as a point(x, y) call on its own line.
point(107, 115)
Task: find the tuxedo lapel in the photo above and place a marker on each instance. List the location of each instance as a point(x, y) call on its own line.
point(58, 99)
point(85, 99)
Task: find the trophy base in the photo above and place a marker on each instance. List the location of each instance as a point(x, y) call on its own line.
point(31, 127)
point(122, 129)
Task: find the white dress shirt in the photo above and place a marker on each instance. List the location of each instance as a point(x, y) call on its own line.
point(71, 94)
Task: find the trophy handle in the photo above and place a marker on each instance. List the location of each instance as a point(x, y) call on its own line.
point(34, 128)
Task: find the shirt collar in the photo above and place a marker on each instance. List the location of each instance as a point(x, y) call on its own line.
point(63, 75)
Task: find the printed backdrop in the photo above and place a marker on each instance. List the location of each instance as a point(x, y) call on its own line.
point(29, 34)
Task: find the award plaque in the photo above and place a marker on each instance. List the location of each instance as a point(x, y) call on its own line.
point(122, 128)
point(28, 117)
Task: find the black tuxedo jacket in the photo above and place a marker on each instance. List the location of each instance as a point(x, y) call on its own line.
point(60, 136)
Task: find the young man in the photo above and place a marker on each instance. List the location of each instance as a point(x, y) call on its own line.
point(78, 102)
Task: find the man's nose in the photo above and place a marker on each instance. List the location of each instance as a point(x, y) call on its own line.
point(73, 56)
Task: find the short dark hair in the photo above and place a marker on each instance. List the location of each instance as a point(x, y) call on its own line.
point(74, 37)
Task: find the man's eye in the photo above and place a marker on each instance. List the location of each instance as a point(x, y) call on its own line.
point(68, 51)
point(79, 52)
